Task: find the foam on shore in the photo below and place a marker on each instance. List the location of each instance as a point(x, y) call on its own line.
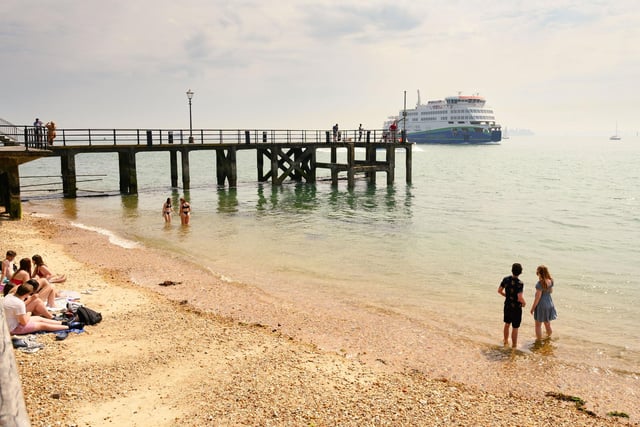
point(113, 238)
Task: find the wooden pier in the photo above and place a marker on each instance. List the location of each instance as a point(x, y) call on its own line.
point(280, 155)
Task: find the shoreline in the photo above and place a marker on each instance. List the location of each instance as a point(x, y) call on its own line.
point(408, 359)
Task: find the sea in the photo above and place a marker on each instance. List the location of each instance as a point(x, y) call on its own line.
point(435, 249)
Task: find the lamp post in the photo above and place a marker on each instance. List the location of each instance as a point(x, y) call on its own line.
point(190, 95)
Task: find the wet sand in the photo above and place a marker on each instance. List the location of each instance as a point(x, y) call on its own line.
point(212, 351)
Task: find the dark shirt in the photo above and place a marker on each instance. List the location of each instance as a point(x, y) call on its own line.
point(512, 287)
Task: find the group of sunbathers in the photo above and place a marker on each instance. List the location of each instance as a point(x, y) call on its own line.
point(28, 295)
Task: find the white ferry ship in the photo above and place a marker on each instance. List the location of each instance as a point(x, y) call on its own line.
point(454, 120)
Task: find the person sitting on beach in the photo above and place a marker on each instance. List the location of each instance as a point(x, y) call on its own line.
point(46, 291)
point(167, 210)
point(34, 304)
point(19, 320)
point(8, 267)
point(41, 270)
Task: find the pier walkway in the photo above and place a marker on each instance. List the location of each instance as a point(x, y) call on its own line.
point(280, 154)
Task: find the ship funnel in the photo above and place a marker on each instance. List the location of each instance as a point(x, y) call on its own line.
point(418, 104)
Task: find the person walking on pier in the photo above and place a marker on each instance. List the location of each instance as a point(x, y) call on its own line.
point(335, 132)
point(360, 130)
point(185, 211)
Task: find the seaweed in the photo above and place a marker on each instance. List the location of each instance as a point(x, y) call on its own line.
point(578, 401)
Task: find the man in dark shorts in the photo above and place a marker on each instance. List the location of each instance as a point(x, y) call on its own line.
point(511, 288)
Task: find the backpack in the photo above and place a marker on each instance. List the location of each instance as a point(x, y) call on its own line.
point(88, 316)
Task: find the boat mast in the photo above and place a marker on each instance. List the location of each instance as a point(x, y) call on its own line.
point(404, 116)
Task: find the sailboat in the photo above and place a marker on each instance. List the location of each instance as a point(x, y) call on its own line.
point(616, 137)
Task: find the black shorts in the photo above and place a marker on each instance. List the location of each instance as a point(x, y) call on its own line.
point(513, 315)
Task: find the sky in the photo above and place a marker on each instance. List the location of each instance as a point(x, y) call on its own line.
point(551, 66)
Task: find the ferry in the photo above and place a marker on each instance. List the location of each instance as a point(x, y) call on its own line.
point(454, 120)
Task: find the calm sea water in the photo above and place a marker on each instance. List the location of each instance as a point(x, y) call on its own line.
point(435, 249)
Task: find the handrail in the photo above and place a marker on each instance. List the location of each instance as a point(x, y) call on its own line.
point(119, 137)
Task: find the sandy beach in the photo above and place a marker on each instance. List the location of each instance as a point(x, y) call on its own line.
point(212, 351)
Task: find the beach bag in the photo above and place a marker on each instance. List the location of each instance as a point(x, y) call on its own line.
point(88, 316)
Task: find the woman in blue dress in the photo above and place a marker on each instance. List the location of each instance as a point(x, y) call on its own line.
point(543, 309)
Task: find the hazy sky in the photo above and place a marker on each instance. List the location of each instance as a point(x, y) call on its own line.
point(553, 66)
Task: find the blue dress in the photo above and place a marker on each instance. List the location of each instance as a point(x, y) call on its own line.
point(545, 310)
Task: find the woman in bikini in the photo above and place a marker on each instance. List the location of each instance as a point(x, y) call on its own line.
point(41, 270)
point(185, 211)
point(167, 210)
point(45, 291)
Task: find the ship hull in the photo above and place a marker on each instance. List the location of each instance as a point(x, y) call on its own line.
point(471, 135)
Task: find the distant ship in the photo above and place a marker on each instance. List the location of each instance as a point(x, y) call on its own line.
point(454, 120)
point(615, 136)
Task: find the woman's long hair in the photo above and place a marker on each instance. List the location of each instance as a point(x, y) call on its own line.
point(545, 277)
point(25, 264)
point(37, 262)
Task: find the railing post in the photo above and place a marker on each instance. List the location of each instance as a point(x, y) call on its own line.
point(138, 136)
point(64, 139)
point(202, 136)
point(26, 141)
point(114, 137)
point(89, 133)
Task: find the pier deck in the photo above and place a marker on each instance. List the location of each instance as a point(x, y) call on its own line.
point(280, 154)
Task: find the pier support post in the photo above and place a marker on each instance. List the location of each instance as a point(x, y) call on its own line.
point(274, 165)
point(260, 154)
point(10, 176)
point(69, 184)
point(186, 177)
point(173, 161)
point(371, 159)
point(334, 168)
point(391, 163)
point(351, 161)
point(128, 173)
point(226, 168)
point(408, 160)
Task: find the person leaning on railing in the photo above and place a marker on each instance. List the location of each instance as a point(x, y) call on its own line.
point(51, 132)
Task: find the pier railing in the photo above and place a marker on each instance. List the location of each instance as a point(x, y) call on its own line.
point(83, 137)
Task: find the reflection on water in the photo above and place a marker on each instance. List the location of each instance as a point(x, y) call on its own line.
point(228, 200)
point(543, 347)
point(129, 205)
point(70, 208)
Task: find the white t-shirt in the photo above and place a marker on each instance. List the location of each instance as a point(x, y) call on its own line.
point(13, 307)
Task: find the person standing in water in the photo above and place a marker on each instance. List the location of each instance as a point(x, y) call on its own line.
point(167, 210)
point(543, 309)
point(512, 288)
point(185, 211)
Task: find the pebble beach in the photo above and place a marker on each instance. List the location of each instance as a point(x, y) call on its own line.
point(209, 351)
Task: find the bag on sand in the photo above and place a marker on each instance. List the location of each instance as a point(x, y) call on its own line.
point(88, 316)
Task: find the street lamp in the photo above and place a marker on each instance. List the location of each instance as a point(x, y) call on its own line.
point(190, 95)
